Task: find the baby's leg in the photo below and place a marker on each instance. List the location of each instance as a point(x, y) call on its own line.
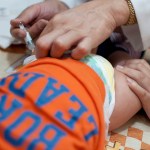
point(127, 103)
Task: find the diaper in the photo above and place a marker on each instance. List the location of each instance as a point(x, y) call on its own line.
point(106, 72)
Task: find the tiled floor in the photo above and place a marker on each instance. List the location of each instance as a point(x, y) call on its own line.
point(134, 135)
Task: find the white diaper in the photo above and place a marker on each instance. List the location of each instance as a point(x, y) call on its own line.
point(106, 72)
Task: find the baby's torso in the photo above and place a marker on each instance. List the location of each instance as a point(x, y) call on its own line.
point(50, 95)
point(105, 71)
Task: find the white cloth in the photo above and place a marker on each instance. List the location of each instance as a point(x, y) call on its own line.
point(138, 35)
point(73, 3)
point(9, 9)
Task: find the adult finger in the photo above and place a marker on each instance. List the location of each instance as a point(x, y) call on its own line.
point(44, 43)
point(18, 33)
point(136, 75)
point(65, 42)
point(140, 67)
point(138, 90)
point(27, 16)
point(83, 49)
point(141, 93)
point(137, 61)
point(36, 29)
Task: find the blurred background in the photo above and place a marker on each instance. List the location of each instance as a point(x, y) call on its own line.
point(10, 53)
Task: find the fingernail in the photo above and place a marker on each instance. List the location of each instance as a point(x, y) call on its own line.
point(119, 67)
point(130, 81)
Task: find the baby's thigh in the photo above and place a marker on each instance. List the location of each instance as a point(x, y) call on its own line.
point(127, 103)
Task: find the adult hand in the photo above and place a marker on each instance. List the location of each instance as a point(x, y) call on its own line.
point(36, 17)
point(138, 72)
point(82, 28)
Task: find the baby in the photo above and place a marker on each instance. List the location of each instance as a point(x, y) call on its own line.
point(63, 104)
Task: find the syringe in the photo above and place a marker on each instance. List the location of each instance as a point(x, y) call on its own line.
point(28, 40)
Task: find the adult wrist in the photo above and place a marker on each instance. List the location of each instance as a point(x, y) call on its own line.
point(120, 11)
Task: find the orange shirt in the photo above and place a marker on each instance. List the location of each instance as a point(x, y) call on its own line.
point(52, 104)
